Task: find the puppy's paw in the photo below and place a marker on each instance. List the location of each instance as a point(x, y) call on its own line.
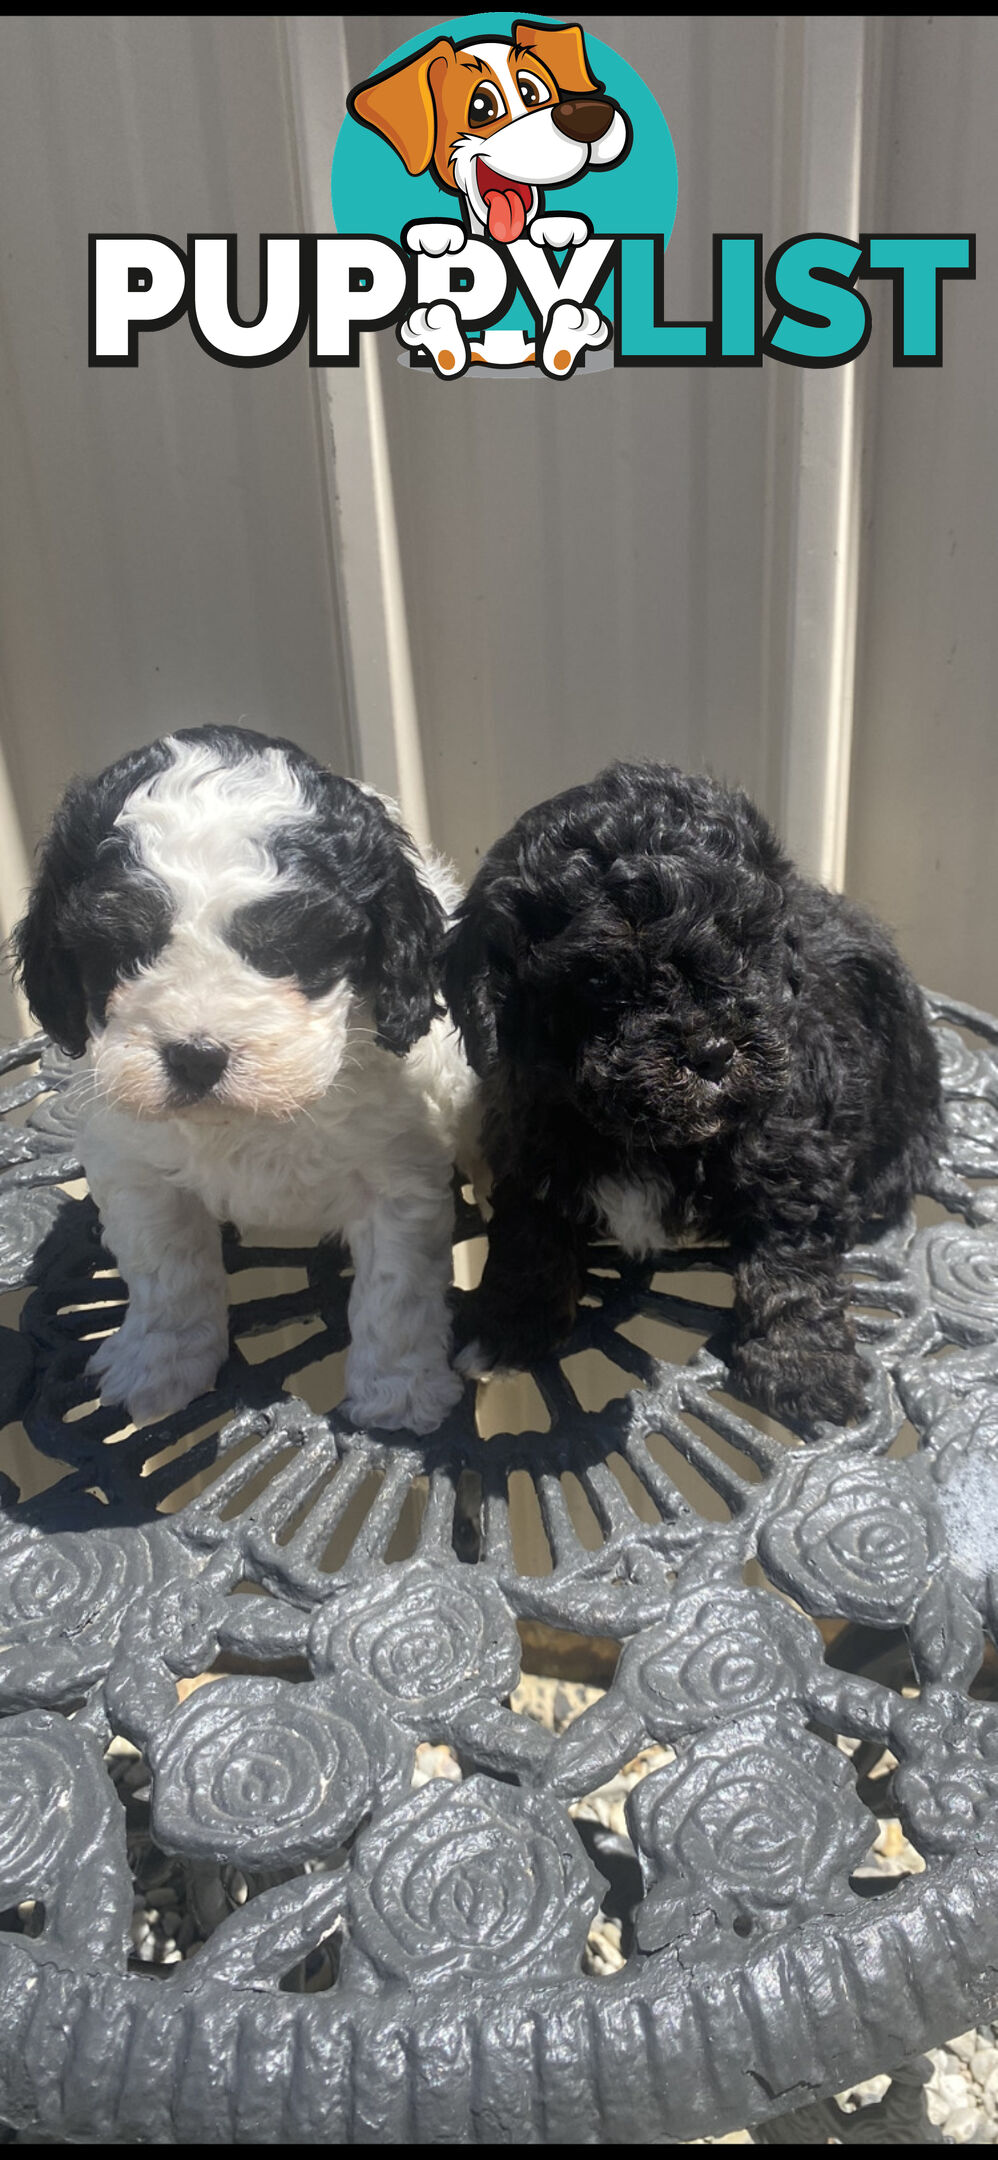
point(559, 232)
point(821, 1387)
point(477, 1362)
point(153, 1373)
point(438, 328)
point(494, 1340)
point(413, 1402)
point(571, 331)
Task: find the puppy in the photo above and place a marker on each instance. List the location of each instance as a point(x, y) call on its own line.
point(244, 943)
point(681, 1037)
point(497, 121)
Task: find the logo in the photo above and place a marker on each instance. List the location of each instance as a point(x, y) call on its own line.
point(504, 193)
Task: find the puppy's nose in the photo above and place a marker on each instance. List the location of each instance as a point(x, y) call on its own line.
point(195, 1065)
point(583, 119)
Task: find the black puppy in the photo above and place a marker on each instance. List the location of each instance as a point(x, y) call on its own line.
point(682, 1036)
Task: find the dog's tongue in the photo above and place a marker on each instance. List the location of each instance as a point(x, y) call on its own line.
point(506, 203)
point(507, 216)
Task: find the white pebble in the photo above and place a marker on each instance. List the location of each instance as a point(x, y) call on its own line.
point(171, 1955)
point(865, 2094)
point(952, 2088)
point(118, 1748)
point(238, 1888)
point(140, 1930)
point(964, 2126)
point(965, 2045)
point(981, 2064)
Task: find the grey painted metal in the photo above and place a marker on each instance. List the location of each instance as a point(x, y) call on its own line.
point(449, 1919)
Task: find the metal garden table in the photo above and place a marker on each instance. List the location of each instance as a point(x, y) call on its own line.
point(403, 1962)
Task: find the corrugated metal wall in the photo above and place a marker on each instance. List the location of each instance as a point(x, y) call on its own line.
point(645, 563)
point(165, 549)
point(924, 800)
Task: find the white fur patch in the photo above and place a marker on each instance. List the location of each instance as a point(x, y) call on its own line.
point(631, 1215)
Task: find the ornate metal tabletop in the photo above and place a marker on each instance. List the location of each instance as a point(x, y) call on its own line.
point(227, 1604)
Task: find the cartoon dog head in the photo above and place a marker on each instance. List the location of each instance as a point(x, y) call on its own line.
point(497, 119)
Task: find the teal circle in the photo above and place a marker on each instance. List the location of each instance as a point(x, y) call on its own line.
point(373, 193)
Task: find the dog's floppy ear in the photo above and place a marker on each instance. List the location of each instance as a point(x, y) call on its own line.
point(43, 963)
point(409, 925)
point(468, 978)
point(400, 105)
point(374, 862)
point(563, 53)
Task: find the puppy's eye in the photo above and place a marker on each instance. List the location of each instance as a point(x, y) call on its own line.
point(486, 105)
point(531, 90)
point(291, 936)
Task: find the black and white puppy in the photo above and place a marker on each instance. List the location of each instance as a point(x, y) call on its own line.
point(244, 944)
point(681, 1037)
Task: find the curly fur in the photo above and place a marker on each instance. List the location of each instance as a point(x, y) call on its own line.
point(681, 1036)
point(243, 944)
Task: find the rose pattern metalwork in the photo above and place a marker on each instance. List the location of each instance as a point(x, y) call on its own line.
point(60, 1842)
point(961, 1271)
point(855, 1537)
point(972, 1135)
point(963, 1068)
point(964, 1464)
point(28, 1217)
point(757, 1821)
point(719, 1652)
point(478, 1880)
point(93, 1574)
point(946, 1785)
point(452, 1915)
point(431, 1640)
point(261, 1772)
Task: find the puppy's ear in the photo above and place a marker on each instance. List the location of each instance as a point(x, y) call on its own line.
point(468, 986)
point(563, 53)
point(43, 963)
point(400, 105)
point(409, 926)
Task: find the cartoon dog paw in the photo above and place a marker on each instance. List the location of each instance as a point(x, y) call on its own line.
point(436, 236)
point(559, 232)
point(571, 331)
point(438, 328)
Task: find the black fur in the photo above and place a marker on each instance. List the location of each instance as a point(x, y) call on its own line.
point(92, 916)
point(653, 993)
point(354, 906)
